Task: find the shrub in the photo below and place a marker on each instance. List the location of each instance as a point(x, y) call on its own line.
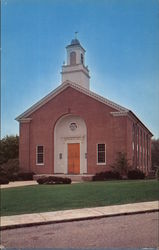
point(10, 169)
point(157, 173)
point(121, 164)
point(9, 148)
point(25, 176)
point(42, 180)
point(135, 174)
point(54, 180)
point(13, 177)
point(2, 172)
point(67, 181)
point(108, 175)
point(3, 180)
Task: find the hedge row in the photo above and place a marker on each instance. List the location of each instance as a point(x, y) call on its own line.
point(102, 176)
point(54, 180)
point(108, 175)
point(135, 174)
point(112, 175)
point(4, 179)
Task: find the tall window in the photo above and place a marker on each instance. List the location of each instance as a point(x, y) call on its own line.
point(147, 146)
point(133, 143)
point(137, 146)
point(133, 134)
point(101, 153)
point(144, 151)
point(72, 58)
point(141, 146)
point(40, 155)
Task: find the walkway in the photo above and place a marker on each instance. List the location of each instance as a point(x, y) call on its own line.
point(23, 183)
point(18, 184)
point(24, 220)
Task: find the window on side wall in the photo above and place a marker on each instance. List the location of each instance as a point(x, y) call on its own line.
point(40, 155)
point(101, 154)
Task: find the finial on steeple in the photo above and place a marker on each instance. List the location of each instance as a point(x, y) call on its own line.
point(76, 32)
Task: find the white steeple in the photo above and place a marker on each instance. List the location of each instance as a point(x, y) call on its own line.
point(75, 69)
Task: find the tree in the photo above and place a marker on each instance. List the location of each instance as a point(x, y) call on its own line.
point(9, 148)
point(155, 153)
point(121, 164)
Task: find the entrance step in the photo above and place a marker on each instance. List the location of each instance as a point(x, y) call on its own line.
point(84, 177)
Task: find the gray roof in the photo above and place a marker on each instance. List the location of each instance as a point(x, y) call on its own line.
point(75, 42)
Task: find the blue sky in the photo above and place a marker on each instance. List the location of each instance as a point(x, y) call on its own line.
point(121, 38)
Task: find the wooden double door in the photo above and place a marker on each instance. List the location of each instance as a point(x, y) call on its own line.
point(74, 158)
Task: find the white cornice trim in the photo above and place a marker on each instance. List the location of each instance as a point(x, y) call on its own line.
point(75, 66)
point(74, 71)
point(70, 46)
point(137, 121)
point(133, 117)
point(25, 120)
point(61, 88)
point(124, 113)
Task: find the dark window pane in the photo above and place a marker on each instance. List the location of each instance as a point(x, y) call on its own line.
point(101, 157)
point(101, 147)
point(40, 149)
point(40, 158)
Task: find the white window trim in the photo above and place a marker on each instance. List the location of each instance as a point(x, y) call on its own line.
point(39, 164)
point(100, 163)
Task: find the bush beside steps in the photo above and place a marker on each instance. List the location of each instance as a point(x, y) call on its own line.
point(107, 175)
point(54, 180)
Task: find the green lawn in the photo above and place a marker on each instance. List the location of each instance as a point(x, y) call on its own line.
point(42, 198)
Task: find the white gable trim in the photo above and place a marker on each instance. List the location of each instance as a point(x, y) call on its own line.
point(40, 103)
point(61, 88)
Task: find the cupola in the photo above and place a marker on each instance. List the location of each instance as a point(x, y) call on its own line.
point(75, 69)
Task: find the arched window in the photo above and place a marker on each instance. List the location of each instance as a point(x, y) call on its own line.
point(72, 58)
point(82, 58)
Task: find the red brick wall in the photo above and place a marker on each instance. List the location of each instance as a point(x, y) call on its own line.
point(140, 155)
point(24, 147)
point(102, 127)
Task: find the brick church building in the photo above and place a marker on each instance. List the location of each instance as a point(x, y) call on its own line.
point(75, 131)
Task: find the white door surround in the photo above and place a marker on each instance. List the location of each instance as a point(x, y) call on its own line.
point(69, 129)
